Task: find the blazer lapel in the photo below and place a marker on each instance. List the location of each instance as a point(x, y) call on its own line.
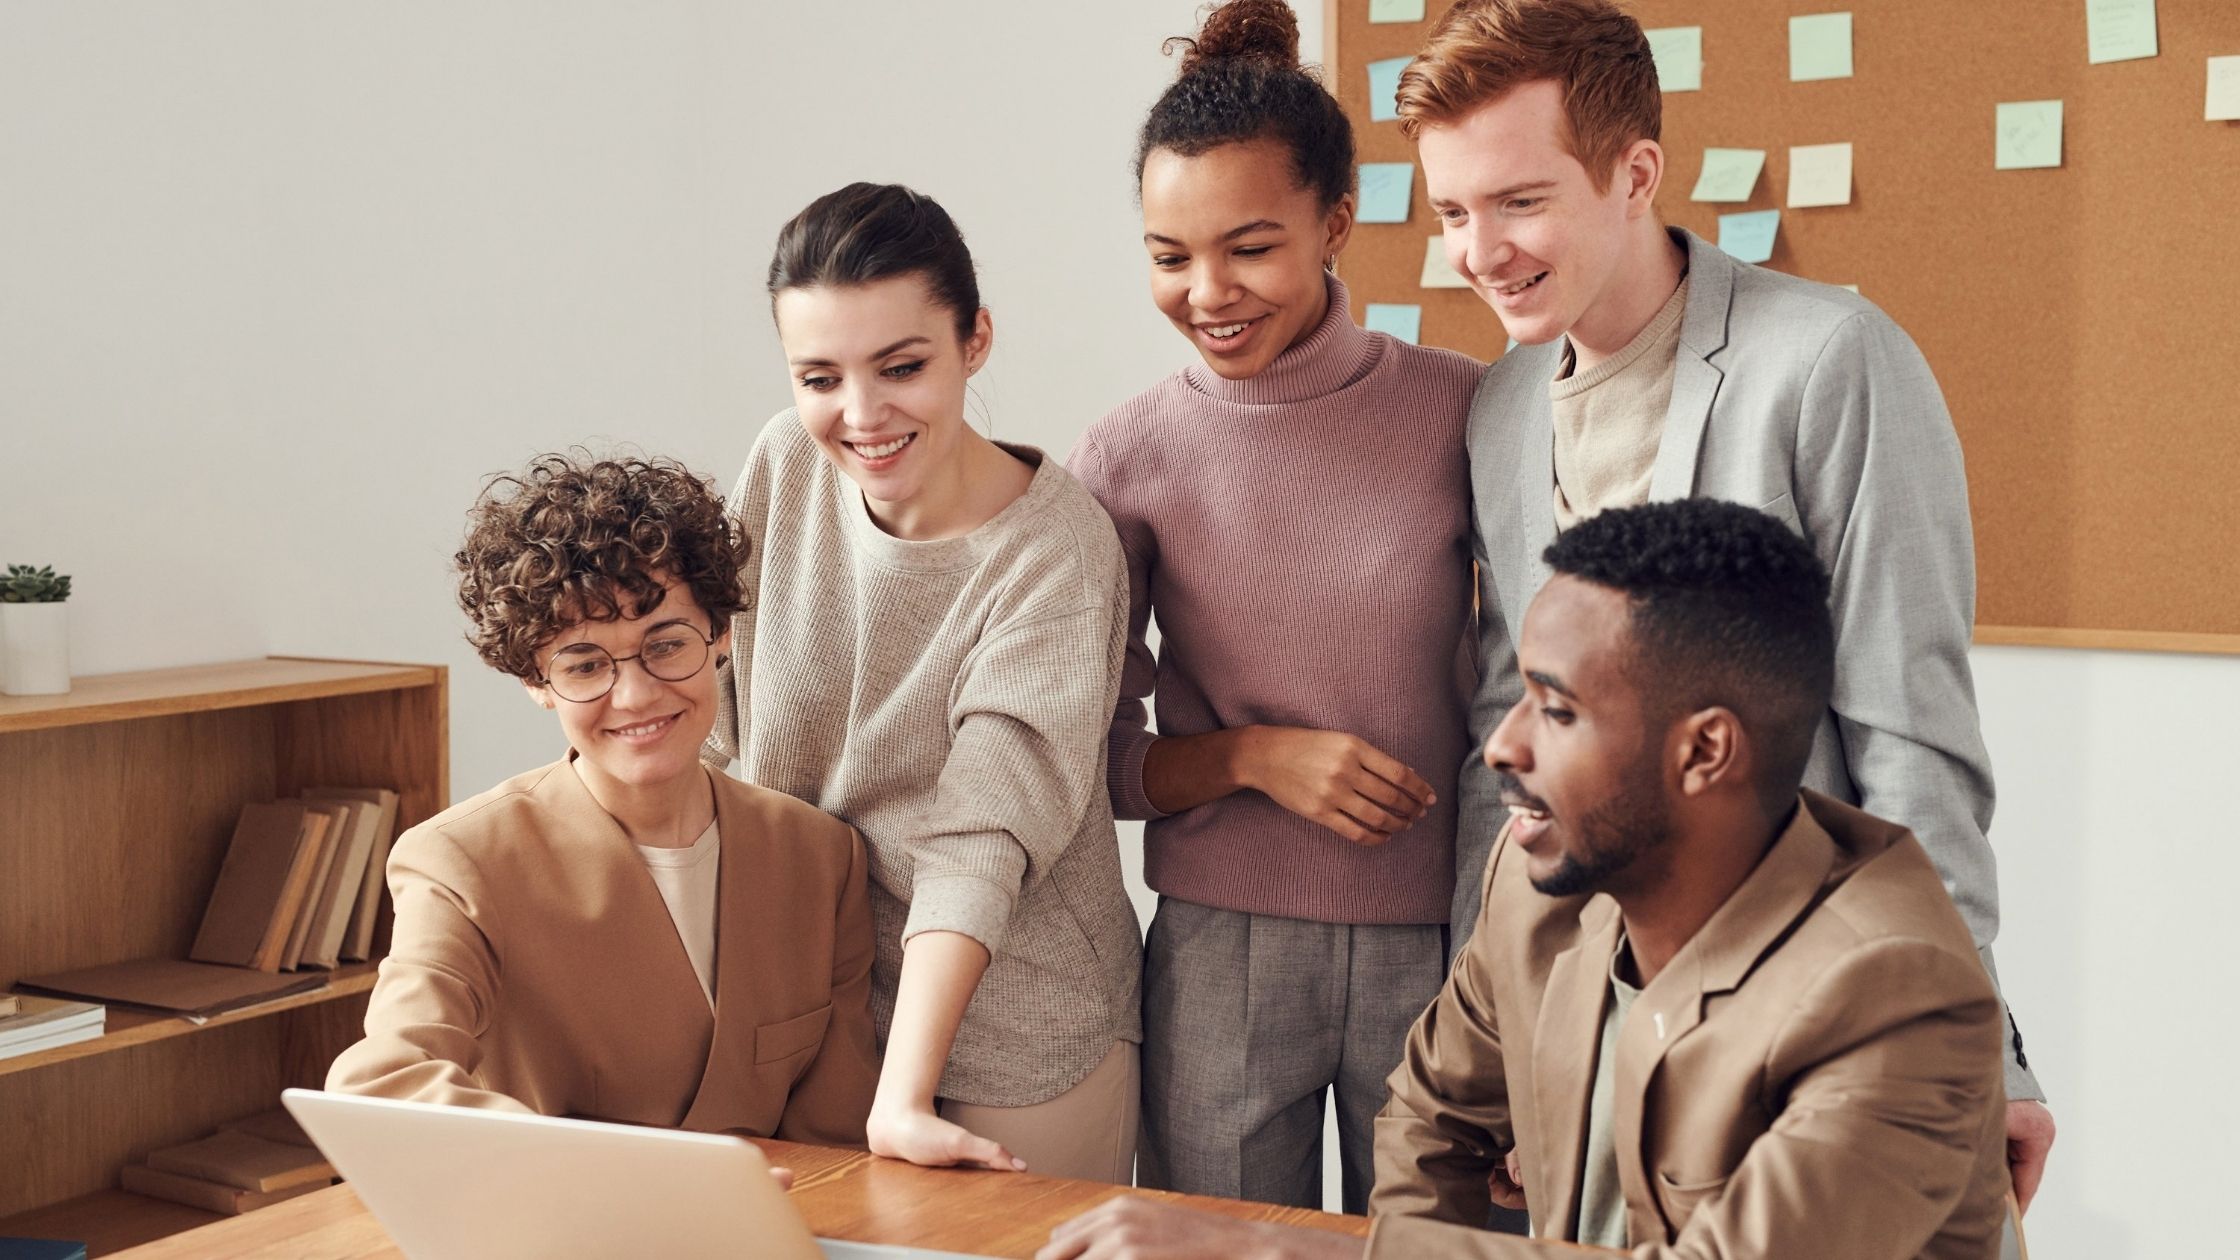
point(1782, 889)
point(1563, 1063)
point(754, 921)
point(1536, 494)
point(1695, 381)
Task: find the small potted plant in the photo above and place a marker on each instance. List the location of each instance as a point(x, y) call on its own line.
point(34, 636)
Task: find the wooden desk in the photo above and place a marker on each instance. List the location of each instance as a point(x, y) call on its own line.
point(843, 1194)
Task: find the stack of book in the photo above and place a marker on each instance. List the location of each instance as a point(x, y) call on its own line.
point(240, 1168)
point(299, 892)
point(31, 1024)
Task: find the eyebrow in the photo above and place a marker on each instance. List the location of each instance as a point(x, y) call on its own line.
point(673, 621)
point(881, 353)
point(1503, 194)
point(1257, 225)
point(1552, 683)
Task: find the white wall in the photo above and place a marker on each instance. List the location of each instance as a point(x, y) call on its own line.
point(279, 282)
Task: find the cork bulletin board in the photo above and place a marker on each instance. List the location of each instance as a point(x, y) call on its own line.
point(2084, 320)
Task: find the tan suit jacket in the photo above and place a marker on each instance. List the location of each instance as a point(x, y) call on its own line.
point(536, 966)
point(1816, 1074)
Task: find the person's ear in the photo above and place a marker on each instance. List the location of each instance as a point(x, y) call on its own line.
point(539, 694)
point(722, 645)
point(1711, 750)
point(1337, 229)
point(1641, 169)
point(981, 342)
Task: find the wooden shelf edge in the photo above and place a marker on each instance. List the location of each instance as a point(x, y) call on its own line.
point(2109, 640)
point(97, 698)
point(129, 1028)
point(107, 1221)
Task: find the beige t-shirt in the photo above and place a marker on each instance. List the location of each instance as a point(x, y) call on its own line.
point(687, 880)
point(1610, 418)
point(1602, 1201)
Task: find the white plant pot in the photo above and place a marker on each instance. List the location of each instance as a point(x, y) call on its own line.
point(34, 649)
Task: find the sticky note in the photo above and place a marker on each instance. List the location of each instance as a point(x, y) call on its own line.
point(1385, 187)
point(1819, 47)
point(1728, 174)
point(1854, 288)
point(2029, 135)
point(1749, 236)
point(1679, 54)
point(1384, 88)
point(1399, 319)
point(1819, 175)
point(1436, 273)
point(2224, 89)
point(2119, 30)
point(1395, 11)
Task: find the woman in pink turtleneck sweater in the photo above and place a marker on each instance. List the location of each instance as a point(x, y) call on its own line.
point(1295, 511)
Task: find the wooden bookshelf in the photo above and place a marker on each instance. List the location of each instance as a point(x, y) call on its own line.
point(121, 798)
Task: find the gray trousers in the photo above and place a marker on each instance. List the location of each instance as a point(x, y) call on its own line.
point(1247, 1020)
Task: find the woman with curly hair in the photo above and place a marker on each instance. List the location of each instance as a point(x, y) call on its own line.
point(931, 653)
point(622, 934)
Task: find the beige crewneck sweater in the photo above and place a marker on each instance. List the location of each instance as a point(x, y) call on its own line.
point(950, 700)
point(1610, 418)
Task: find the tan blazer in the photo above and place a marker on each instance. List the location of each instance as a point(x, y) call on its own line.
point(1816, 1074)
point(536, 967)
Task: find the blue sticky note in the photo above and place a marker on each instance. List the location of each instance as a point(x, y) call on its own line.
point(1385, 189)
point(1384, 88)
point(1749, 236)
point(1401, 320)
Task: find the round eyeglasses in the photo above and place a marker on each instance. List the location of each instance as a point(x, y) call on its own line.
point(584, 672)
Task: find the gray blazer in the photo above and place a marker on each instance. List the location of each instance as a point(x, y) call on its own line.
point(1807, 402)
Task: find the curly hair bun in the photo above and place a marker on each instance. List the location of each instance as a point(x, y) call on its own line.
point(1257, 30)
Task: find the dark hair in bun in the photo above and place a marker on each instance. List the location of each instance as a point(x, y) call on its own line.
point(1241, 81)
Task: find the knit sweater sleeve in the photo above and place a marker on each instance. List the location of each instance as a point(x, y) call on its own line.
point(1130, 735)
point(1022, 772)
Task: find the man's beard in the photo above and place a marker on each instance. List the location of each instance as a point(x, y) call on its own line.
point(1614, 835)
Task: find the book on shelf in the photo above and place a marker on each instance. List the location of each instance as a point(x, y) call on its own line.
point(175, 987)
point(7, 1005)
point(260, 886)
point(338, 899)
point(44, 1023)
point(210, 1196)
point(330, 839)
point(357, 944)
point(245, 1161)
point(275, 1125)
point(41, 1249)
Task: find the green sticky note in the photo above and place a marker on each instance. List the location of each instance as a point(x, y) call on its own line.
point(2119, 30)
point(1397, 318)
point(1749, 236)
point(2029, 135)
point(1395, 11)
point(1728, 174)
point(1385, 189)
point(1819, 47)
point(1679, 54)
point(1384, 88)
point(1819, 175)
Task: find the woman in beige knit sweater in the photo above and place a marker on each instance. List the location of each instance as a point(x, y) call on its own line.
point(931, 650)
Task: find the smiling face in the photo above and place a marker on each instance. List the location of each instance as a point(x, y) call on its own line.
point(1579, 763)
point(1523, 220)
point(646, 732)
point(879, 379)
point(1236, 248)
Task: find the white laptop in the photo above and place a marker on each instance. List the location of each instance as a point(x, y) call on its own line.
point(459, 1183)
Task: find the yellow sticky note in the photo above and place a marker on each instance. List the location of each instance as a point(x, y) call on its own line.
point(2119, 30)
point(2029, 135)
point(1395, 11)
point(2224, 90)
point(1436, 273)
point(1679, 54)
point(1819, 175)
point(1819, 47)
point(1728, 174)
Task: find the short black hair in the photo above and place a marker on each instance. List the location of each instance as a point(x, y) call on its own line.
point(1729, 607)
point(1241, 81)
point(867, 232)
